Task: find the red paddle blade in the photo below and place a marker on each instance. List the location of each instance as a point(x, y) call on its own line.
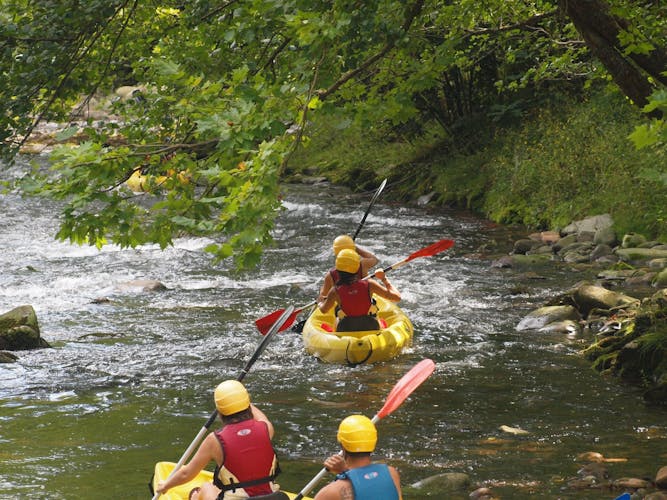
point(432, 249)
point(406, 386)
point(264, 324)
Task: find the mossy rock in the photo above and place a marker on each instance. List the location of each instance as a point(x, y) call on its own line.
point(605, 361)
point(19, 330)
point(640, 254)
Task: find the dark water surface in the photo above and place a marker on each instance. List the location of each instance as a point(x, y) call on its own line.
point(129, 383)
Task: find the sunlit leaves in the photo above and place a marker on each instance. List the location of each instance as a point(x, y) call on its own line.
point(653, 133)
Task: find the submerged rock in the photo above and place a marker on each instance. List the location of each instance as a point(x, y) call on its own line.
point(7, 357)
point(141, 285)
point(515, 431)
point(543, 316)
point(439, 484)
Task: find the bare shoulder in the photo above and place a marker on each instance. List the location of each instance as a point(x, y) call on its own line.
point(338, 490)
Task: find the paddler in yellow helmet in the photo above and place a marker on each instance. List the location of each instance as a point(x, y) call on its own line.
point(342, 242)
point(354, 295)
point(357, 477)
point(246, 463)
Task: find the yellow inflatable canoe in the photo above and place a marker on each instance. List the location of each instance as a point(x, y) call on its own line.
point(181, 492)
point(140, 183)
point(354, 348)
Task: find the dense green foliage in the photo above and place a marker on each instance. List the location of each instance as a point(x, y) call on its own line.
point(229, 91)
point(536, 172)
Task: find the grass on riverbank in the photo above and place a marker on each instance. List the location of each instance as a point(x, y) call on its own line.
point(560, 163)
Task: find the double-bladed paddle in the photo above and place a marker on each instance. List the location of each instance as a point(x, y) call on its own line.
point(403, 388)
point(368, 210)
point(274, 328)
point(263, 324)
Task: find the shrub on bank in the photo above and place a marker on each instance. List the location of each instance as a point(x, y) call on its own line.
point(559, 164)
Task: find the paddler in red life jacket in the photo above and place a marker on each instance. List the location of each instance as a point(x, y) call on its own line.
point(246, 461)
point(357, 478)
point(342, 242)
point(354, 296)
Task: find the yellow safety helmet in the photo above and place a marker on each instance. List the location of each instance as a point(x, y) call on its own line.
point(348, 261)
point(231, 397)
point(357, 433)
point(342, 242)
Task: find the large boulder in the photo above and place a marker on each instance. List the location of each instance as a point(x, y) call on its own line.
point(19, 330)
point(589, 297)
point(589, 224)
point(640, 255)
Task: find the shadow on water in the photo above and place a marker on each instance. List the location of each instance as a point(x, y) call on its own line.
point(129, 381)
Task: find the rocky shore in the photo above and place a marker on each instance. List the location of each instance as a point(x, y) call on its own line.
point(624, 314)
point(623, 311)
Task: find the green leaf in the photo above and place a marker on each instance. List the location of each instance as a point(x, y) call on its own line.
point(66, 133)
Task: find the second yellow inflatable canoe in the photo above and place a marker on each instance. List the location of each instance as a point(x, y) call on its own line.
point(354, 348)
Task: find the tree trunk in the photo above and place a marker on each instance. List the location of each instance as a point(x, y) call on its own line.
point(600, 30)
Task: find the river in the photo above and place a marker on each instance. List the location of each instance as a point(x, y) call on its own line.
point(129, 382)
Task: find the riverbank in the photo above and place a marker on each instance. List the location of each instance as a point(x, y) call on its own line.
point(622, 312)
point(561, 162)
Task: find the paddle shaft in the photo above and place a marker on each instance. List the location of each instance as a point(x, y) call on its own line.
point(368, 210)
point(260, 348)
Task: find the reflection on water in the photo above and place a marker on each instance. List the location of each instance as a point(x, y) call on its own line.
point(129, 381)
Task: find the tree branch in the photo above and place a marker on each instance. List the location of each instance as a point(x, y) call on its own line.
point(411, 13)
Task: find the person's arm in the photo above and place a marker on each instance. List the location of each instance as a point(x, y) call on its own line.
point(397, 481)
point(330, 300)
point(384, 289)
point(368, 259)
point(259, 415)
point(205, 453)
point(326, 286)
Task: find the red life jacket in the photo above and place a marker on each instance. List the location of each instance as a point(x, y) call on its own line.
point(355, 298)
point(248, 457)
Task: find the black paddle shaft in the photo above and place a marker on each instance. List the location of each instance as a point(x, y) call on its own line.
point(368, 210)
point(260, 349)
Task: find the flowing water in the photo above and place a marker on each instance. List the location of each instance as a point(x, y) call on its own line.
point(129, 382)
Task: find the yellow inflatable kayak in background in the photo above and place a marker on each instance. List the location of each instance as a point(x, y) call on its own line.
point(354, 348)
point(181, 492)
point(140, 183)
